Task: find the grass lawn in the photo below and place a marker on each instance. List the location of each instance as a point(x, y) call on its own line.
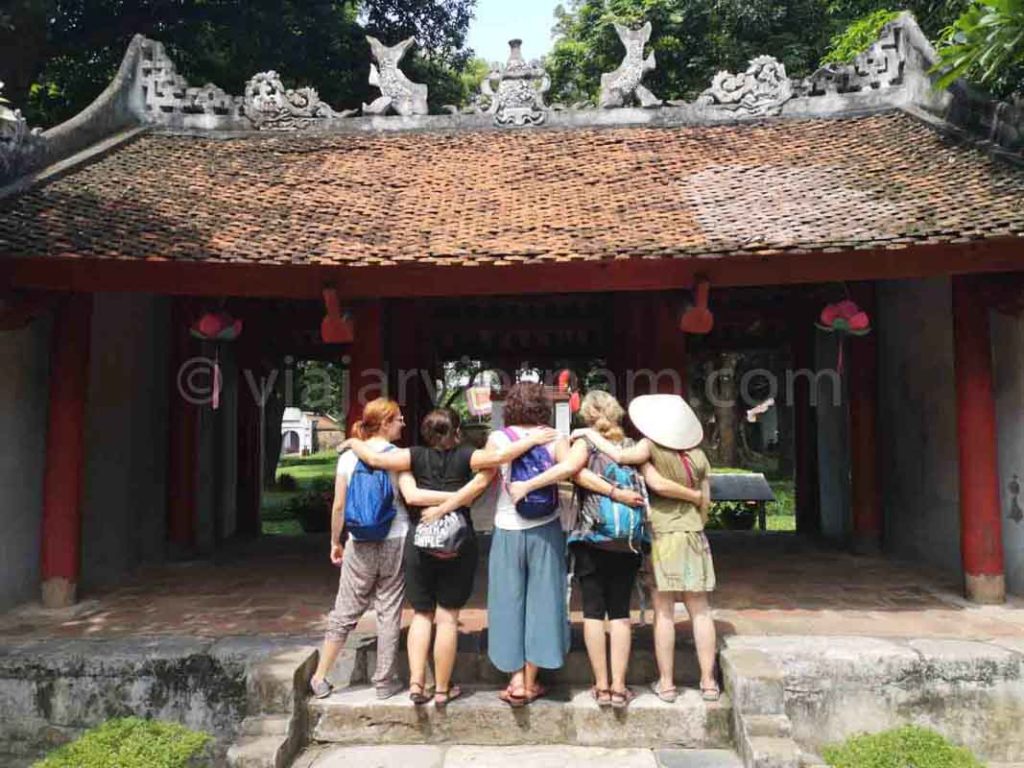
point(276, 519)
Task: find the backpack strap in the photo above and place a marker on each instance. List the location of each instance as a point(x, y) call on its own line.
point(510, 433)
point(685, 458)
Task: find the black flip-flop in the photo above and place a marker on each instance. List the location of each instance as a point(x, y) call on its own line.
point(450, 695)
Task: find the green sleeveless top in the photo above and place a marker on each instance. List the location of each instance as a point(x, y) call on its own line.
point(674, 515)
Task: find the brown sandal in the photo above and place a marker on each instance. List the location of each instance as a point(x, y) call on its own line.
point(443, 698)
point(419, 698)
point(622, 699)
point(602, 696)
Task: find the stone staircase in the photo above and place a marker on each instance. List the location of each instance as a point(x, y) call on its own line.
point(568, 715)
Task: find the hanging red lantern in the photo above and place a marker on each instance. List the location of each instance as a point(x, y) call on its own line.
point(844, 317)
point(216, 327)
point(336, 327)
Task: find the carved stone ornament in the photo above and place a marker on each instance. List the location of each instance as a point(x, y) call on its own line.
point(515, 94)
point(623, 84)
point(270, 106)
point(880, 66)
point(21, 148)
point(761, 90)
point(398, 93)
point(167, 92)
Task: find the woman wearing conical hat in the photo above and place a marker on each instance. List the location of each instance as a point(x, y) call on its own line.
point(680, 555)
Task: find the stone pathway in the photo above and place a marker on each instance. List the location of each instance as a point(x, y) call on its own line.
point(775, 584)
point(513, 757)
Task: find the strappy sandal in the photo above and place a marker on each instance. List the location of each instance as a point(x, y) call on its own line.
point(711, 693)
point(539, 692)
point(622, 699)
point(418, 698)
point(668, 695)
point(513, 699)
point(443, 698)
point(602, 696)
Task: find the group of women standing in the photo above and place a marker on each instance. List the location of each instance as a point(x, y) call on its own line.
point(430, 551)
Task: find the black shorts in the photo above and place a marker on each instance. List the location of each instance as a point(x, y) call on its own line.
point(432, 581)
point(607, 579)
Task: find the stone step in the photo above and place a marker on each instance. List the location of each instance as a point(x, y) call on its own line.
point(460, 756)
point(472, 664)
point(566, 716)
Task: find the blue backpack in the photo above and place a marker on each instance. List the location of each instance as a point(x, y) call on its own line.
point(369, 503)
point(544, 501)
point(612, 521)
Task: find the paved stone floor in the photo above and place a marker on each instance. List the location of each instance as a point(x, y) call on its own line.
point(768, 584)
point(513, 757)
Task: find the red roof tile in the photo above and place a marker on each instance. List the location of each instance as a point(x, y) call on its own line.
point(519, 196)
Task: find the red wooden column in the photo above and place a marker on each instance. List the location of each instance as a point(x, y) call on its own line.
point(670, 357)
point(63, 478)
point(182, 438)
point(981, 533)
point(865, 498)
point(367, 368)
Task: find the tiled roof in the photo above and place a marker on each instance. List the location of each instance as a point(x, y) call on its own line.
point(530, 195)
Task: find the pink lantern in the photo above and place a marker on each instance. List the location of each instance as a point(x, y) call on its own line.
point(216, 327)
point(844, 318)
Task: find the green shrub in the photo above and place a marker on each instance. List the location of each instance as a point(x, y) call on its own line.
point(130, 743)
point(286, 482)
point(858, 37)
point(906, 747)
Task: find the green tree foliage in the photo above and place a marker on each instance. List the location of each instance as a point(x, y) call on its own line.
point(857, 37)
point(693, 39)
point(986, 45)
point(58, 56)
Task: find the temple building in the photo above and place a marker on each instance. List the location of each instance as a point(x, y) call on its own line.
point(512, 230)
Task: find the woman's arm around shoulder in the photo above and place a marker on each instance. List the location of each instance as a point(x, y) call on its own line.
point(417, 497)
point(462, 497)
point(662, 486)
point(634, 454)
point(492, 455)
point(396, 460)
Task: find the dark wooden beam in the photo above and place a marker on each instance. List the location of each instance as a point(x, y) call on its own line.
point(307, 281)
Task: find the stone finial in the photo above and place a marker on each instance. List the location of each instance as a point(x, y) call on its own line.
point(398, 92)
point(761, 90)
point(270, 106)
point(624, 83)
point(21, 148)
point(515, 94)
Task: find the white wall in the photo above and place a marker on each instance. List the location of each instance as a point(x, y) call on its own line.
point(1008, 363)
point(917, 438)
point(24, 395)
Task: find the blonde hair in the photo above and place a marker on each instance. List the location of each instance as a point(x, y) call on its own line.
point(603, 412)
point(375, 414)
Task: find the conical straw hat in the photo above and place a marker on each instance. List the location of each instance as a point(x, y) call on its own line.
point(668, 420)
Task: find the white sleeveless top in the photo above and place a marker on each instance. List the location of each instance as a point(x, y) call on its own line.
point(505, 516)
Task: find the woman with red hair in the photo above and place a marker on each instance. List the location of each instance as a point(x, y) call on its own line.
point(371, 571)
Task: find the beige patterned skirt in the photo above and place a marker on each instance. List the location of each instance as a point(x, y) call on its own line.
point(682, 562)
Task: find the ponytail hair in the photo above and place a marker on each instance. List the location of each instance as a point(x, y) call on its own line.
point(375, 414)
point(602, 411)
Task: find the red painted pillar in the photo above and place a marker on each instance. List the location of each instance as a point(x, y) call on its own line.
point(183, 430)
point(981, 533)
point(671, 348)
point(65, 456)
point(367, 372)
point(865, 498)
